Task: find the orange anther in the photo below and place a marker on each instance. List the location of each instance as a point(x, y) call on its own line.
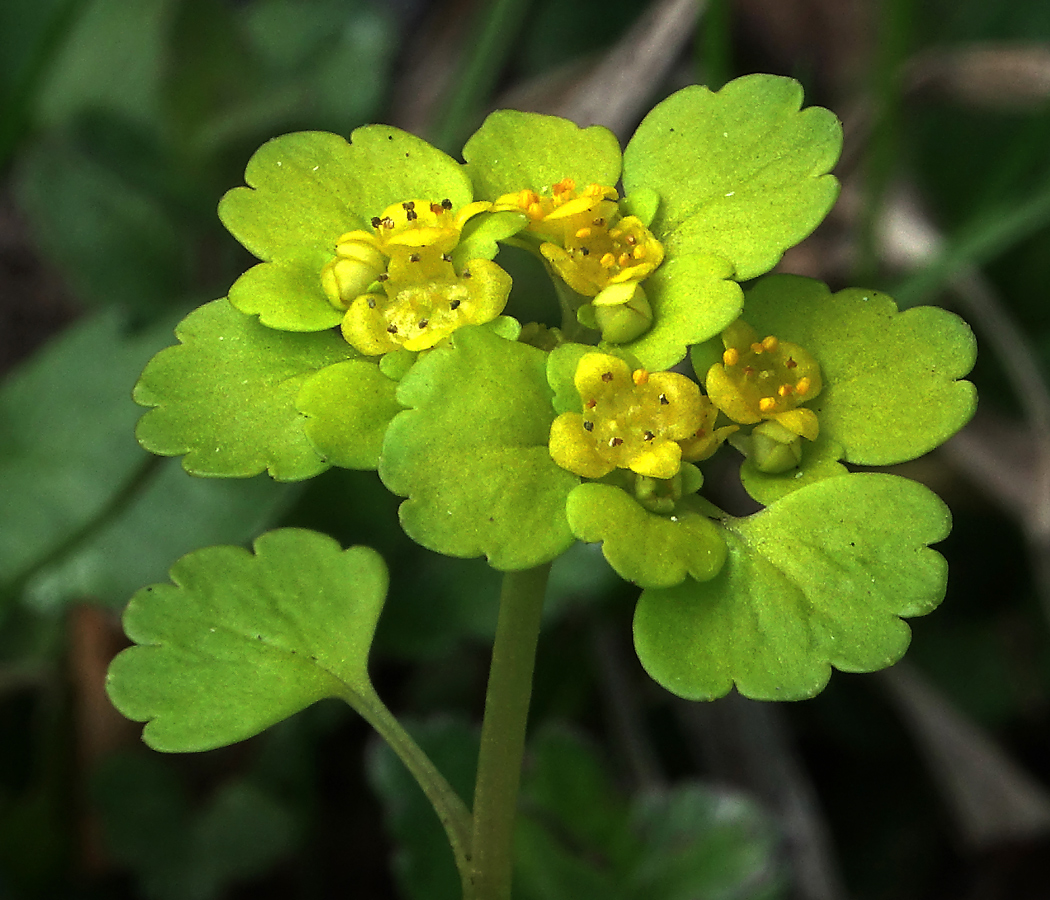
point(757, 348)
point(785, 390)
point(803, 385)
point(731, 357)
point(770, 344)
point(640, 376)
point(607, 261)
point(583, 233)
point(767, 404)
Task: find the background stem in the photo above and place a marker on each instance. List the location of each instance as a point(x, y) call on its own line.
point(503, 732)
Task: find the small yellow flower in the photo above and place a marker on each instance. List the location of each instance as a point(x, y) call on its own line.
point(765, 379)
point(596, 251)
point(630, 420)
point(399, 286)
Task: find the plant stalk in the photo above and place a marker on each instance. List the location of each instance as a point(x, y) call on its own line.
point(503, 733)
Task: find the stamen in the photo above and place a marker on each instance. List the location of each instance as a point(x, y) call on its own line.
point(588, 426)
point(371, 302)
point(803, 385)
point(731, 357)
point(583, 233)
point(409, 205)
point(785, 390)
point(585, 251)
point(376, 221)
point(411, 215)
point(624, 259)
point(648, 436)
point(767, 404)
point(446, 203)
point(414, 257)
point(392, 329)
point(446, 257)
point(606, 377)
point(630, 239)
point(770, 343)
point(790, 364)
point(615, 442)
point(437, 209)
point(388, 222)
point(382, 276)
point(757, 348)
point(590, 404)
point(640, 376)
point(454, 304)
point(534, 210)
point(663, 400)
point(607, 261)
point(599, 222)
point(423, 323)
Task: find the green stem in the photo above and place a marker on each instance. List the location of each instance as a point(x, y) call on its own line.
point(451, 810)
point(503, 732)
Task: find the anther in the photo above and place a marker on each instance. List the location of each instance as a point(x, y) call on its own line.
point(606, 377)
point(408, 205)
point(615, 233)
point(731, 357)
point(454, 304)
point(446, 203)
point(663, 400)
point(785, 390)
point(757, 348)
point(803, 385)
point(371, 302)
point(392, 329)
point(466, 274)
point(411, 215)
point(640, 376)
point(585, 251)
point(630, 239)
point(414, 257)
point(648, 436)
point(376, 221)
point(388, 222)
point(767, 404)
point(588, 426)
point(446, 257)
point(583, 233)
point(599, 222)
point(770, 343)
point(590, 404)
point(534, 210)
point(749, 372)
point(436, 208)
point(382, 276)
point(607, 261)
point(790, 364)
point(566, 184)
point(423, 323)
point(624, 259)
point(615, 442)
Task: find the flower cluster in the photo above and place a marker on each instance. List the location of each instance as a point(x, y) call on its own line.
point(374, 333)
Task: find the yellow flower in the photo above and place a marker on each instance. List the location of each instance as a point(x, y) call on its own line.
point(596, 251)
point(399, 286)
point(765, 380)
point(630, 420)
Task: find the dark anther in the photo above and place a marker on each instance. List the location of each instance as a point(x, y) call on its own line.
point(382, 276)
point(599, 222)
point(663, 400)
point(790, 363)
point(588, 426)
point(371, 302)
point(408, 205)
point(585, 251)
point(615, 442)
point(388, 222)
point(606, 377)
point(446, 203)
point(392, 329)
point(376, 221)
point(590, 404)
point(631, 239)
point(414, 257)
point(411, 215)
point(446, 257)
point(423, 323)
point(649, 435)
point(465, 275)
point(454, 304)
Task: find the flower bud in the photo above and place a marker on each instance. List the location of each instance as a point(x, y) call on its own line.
point(622, 312)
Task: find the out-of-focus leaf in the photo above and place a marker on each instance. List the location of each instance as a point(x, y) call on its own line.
point(66, 437)
point(173, 514)
point(116, 243)
point(181, 854)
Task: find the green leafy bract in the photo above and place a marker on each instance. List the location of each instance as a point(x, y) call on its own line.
point(819, 579)
point(741, 173)
point(348, 407)
point(516, 150)
point(305, 191)
point(471, 453)
point(242, 641)
point(891, 379)
point(650, 550)
point(225, 397)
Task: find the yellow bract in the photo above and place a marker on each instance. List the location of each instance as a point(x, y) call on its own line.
point(765, 380)
point(586, 240)
point(631, 420)
point(398, 285)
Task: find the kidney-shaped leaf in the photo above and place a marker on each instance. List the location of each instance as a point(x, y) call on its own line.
point(819, 579)
point(225, 397)
point(241, 641)
point(471, 453)
point(741, 173)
